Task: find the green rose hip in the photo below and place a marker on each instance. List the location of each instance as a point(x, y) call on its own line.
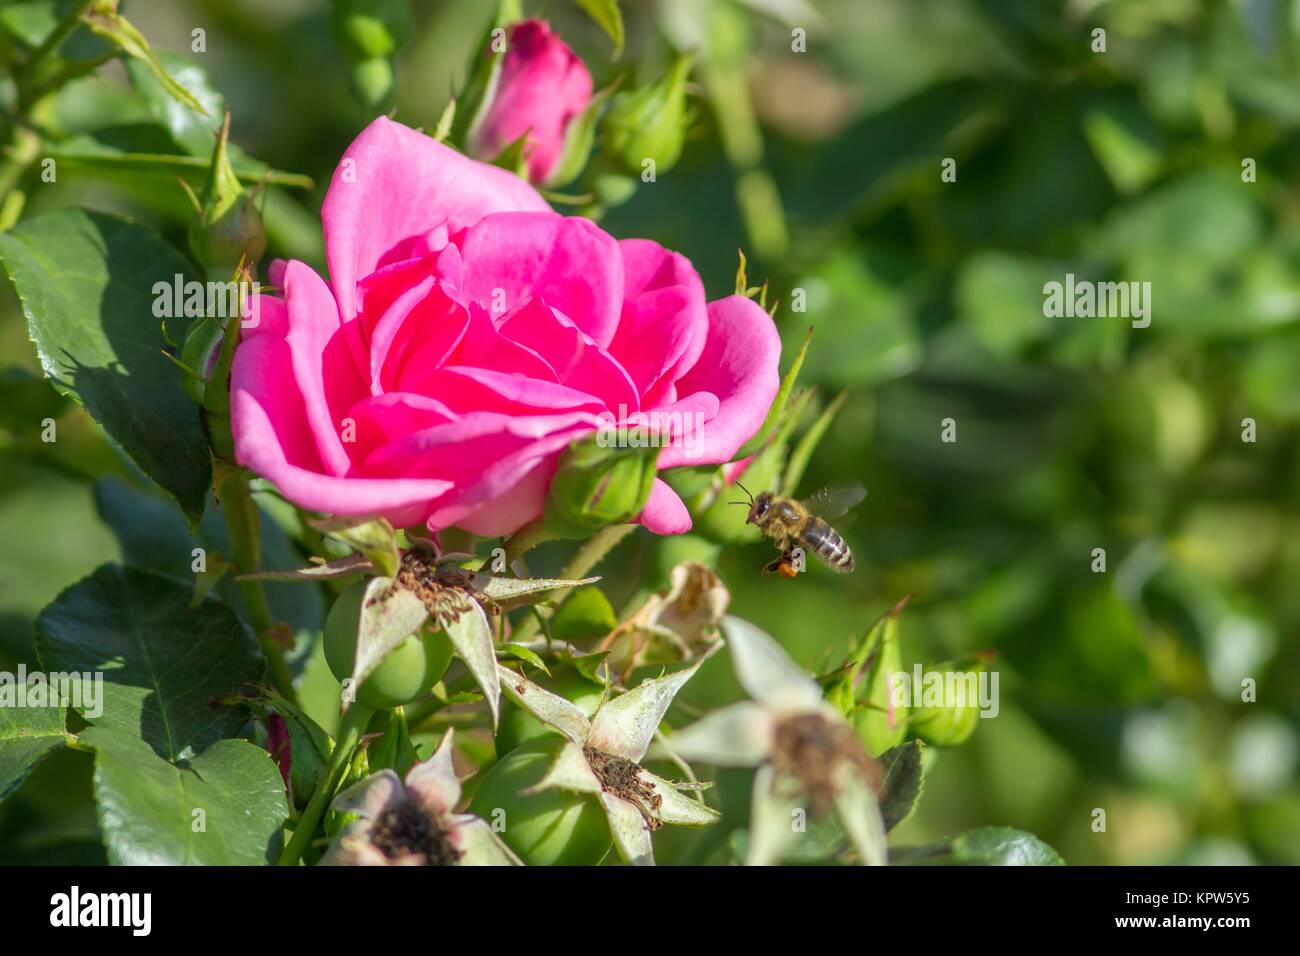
point(406, 673)
point(549, 828)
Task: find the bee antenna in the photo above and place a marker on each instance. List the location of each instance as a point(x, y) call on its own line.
point(747, 492)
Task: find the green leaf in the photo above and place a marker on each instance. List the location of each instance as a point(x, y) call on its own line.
point(164, 663)
point(610, 19)
point(153, 536)
point(86, 282)
point(1127, 145)
point(527, 655)
point(987, 846)
point(589, 666)
point(27, 736)
point(901, 787)
point(586, 613)
point(145, 153)
point(196, 132)
point(107, 23)
point(224, 806)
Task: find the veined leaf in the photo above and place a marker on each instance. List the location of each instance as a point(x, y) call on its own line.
point(164, 663)
point(27, 736)
point(224, 806)
point(86, 284)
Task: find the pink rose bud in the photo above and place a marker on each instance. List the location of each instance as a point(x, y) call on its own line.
point(542, 87)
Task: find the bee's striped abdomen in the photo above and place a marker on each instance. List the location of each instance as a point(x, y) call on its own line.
point(825, 542)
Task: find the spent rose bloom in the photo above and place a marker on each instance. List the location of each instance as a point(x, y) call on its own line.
point(541, 88)
point(413, 822)
point(468, 336)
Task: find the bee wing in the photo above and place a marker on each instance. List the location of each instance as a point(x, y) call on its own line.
point(833, 500)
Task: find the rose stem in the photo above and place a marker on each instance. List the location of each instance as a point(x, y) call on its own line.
point(243, 522)
point(586, 558)
point(354, 724)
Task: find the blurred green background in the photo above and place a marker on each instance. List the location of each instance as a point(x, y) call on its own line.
point(1119, 690)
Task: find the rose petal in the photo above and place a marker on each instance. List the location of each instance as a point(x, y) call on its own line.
point(466, 389)
point(421, 328)
point(738, 735)
point(766, 671)
point(771, 819)
point(664, 511)
point(393, 186)
point(664, 320)
point(577, 360)
point(273, 438)
point(567, 262)
point(739, 365)
point(484, 347)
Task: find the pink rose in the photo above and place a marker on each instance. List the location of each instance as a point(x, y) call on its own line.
point(542, 86)
point(470, 334)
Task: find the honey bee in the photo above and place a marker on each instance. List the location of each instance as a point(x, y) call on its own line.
point(794, 525)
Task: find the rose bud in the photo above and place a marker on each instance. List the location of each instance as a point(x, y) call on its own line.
point(596, 486)
point(228, 229)
point(649, 123)
point(951, 721)
point(540, 90)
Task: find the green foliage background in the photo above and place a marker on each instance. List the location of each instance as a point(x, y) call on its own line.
point(1120, 690)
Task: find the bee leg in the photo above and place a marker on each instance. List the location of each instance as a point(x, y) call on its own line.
point(784, 566)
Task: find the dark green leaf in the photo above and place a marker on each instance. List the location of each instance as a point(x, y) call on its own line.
point(901, 787)
point(164, 663)
point(27, 736)
point(987, 846)
point(153, 536)
point(86, 284)
point(224, 806)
